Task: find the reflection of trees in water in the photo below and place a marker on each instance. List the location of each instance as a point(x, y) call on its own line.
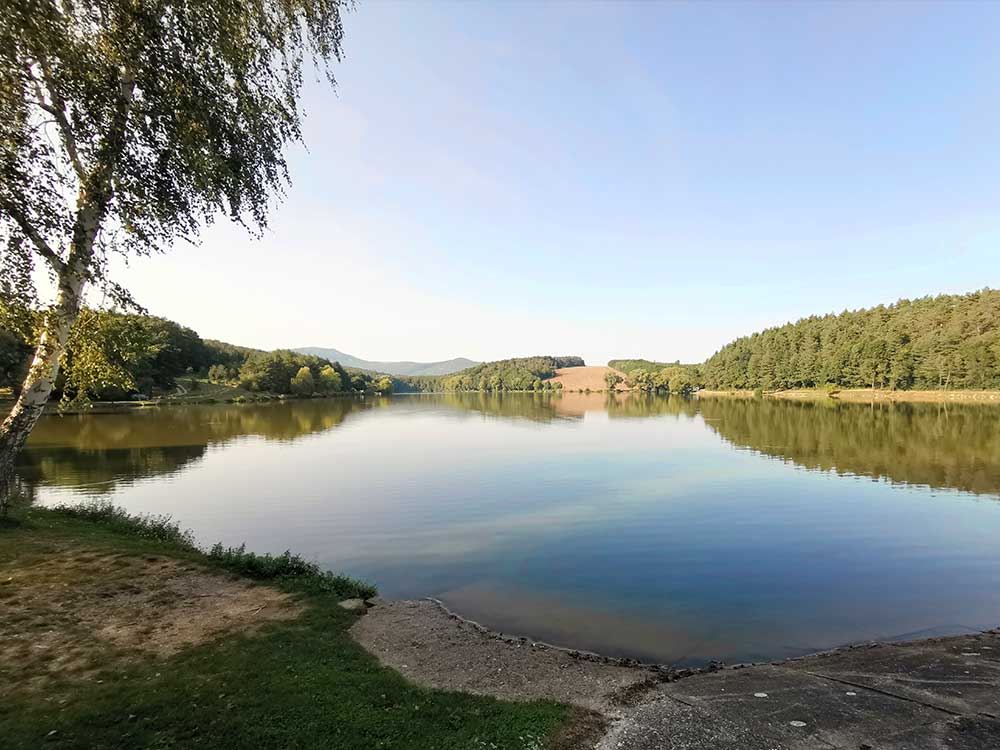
point(195, 425)
point(939, 445)
point(649, 405)
point(99, 472)
point(536, 407)
point(96, 452)
point(544, 407)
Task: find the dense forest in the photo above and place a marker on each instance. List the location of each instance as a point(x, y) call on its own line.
point(142, 355)
point(520, 374)
point(946, 342)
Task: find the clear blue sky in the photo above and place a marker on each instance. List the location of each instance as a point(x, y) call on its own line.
point(614, 180)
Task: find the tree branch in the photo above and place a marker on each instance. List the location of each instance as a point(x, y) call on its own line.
point(44, 249)
point(57, 108)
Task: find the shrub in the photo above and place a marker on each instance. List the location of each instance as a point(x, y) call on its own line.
point(288, 566)
point(154, 528)
point(303, 383)
point(330, 380)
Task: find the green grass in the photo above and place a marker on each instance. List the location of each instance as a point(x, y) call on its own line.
point(161, 529)
point(296, 684)
point(287, 567)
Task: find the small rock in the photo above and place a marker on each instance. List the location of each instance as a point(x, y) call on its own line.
point(851, 692)
point(353, 605)
point(797, 723)
point(760, 695)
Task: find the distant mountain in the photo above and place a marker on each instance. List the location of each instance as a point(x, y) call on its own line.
point(392, 368)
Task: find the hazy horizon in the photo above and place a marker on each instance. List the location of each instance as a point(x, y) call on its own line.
point(612, 181)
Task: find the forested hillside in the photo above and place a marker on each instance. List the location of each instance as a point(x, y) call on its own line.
point(520, 374)
point(628, 365)
point(944, 342)
point(114, 356)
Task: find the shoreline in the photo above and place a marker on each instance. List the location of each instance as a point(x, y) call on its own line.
point(851, 395)
point(424, 661)
point(113, 407)
point(862, 694)
point(861, 396)
point(668, 672)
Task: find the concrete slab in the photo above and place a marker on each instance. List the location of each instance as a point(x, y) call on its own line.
point(960, 674)
point(666, 724)
point(800, 710)
point(934, 694)
point(961, 733)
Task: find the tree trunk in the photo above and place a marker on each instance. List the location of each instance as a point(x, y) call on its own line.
point(95, 194)
point(44, 367)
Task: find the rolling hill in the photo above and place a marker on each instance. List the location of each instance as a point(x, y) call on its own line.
point(446, 367)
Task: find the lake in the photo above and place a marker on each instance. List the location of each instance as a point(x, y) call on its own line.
point(665, 529)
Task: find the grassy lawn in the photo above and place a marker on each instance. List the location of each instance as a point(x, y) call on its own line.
point(202, 388)
point(103, 648)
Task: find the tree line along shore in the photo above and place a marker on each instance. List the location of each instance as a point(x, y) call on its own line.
point(929, 348)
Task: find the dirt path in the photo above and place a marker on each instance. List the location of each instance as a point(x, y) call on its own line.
point(584, 378)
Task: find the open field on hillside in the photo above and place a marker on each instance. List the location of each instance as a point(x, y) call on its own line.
point(586, 378)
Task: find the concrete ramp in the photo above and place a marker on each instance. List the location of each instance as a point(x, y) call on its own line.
point(927, 695)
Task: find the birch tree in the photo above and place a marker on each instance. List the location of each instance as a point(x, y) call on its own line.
point(128, 125)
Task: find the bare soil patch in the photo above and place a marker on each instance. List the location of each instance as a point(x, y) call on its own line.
point(586, 378)
point(434, 649)
point(81, 609)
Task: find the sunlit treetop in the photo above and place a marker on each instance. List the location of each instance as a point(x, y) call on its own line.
point(153, 116)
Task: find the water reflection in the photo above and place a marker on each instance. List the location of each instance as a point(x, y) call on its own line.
point(669, 529)
point(937, 445)
point(944, 446)
point(95, 453)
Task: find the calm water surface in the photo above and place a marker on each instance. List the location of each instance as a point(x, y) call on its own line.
point(664, 529)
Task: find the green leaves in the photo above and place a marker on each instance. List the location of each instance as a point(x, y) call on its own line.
point(949, 341)
point(520, 374)
point(102, 349)
point(302, 383)
point(185, 106)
